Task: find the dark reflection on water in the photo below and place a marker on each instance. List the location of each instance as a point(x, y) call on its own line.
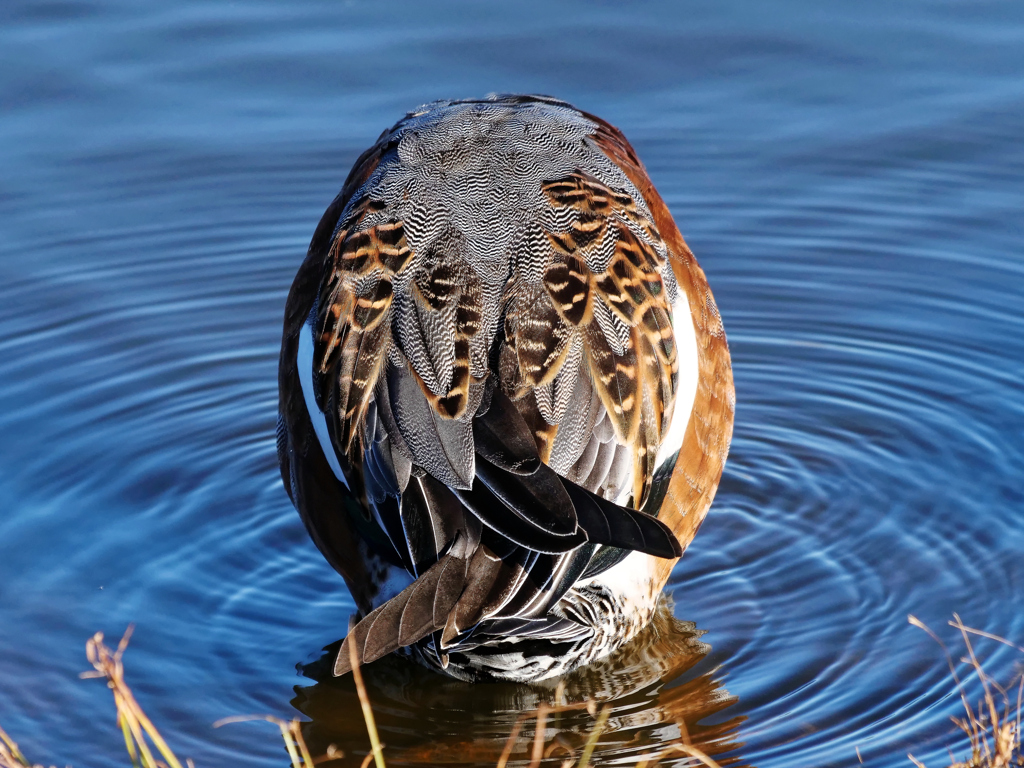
point(851, 178)
point(655, 699)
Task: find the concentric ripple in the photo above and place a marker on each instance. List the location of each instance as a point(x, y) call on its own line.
point(853, 191)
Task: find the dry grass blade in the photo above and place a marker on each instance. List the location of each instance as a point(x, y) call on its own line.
point(538, 736)
point(588, 748)
point(364, 702)
point(993, 727)
point(959, 625)
point(10, 755)
point(540, 715)
point(138, 730)
point(295, 728)
point(537, 752)
point(686, 749)
point(510, 744)
point(291, 732)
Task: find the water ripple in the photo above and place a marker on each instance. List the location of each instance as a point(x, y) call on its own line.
point(853, 193)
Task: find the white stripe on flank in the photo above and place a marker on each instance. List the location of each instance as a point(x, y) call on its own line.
point(304, 362)
point(632, 578)
point(686, 392)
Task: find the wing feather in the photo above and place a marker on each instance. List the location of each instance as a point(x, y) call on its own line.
point(514, 524)
point(503, 438)
point(415, 612)
point(602, 297)
point(616, 526)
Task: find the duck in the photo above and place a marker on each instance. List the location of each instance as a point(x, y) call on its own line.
point(505, 391)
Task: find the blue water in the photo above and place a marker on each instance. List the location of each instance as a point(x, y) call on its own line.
point(850, 177)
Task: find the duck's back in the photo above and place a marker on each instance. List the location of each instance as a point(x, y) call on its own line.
point(489, 364)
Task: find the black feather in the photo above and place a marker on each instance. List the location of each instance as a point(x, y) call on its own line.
point(388, 514)
point(418, 529)
point(528, 597)
point(494, 513)
point(539, 499)
point(607, 523)
point(569, 572)
point(498, 544)
point(503, 438)
point(605, 558)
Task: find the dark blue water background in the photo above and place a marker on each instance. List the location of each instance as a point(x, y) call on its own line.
point(850, 176)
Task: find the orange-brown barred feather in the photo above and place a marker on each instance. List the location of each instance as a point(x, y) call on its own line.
point(636, 383)
point(438, 288)
point(635, 377)
point(353, 334)
point(538, 335)
point(708, 434)
point(568, 283)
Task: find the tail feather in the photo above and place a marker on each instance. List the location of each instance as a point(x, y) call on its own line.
point(540, 533)
point(493, 512)
point(418, 610)
point(607, 523)
point(539, 500)
point(471, 580)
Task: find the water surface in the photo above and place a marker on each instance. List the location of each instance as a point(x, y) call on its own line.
point(852, 181)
